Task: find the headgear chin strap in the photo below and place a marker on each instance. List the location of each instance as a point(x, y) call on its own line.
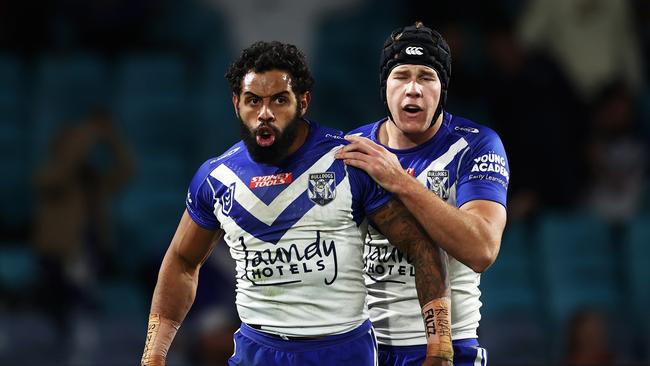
point(417, 45)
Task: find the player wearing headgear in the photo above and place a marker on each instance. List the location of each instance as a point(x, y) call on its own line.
point(451, 173)
point(292, 216)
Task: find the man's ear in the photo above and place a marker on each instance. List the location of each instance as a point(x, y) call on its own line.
point(304, 101)
point(235, 104)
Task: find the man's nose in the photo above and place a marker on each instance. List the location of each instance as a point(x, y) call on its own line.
point(265, 114)
point(413, 89)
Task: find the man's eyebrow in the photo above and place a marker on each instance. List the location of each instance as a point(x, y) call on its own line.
point(251, 94)
point(280, 94)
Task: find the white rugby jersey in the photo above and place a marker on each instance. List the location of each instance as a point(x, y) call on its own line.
point(463, 161)
point(294, 232)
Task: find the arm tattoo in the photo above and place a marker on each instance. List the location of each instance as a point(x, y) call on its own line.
point(407, 235)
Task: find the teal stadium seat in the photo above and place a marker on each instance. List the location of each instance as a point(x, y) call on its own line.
point(150, 208)
point(12, 81)
point(159, 125)
point(512, 314)
point(636, 262)
point(218, 126)
point(14, 141)
point(121, 338)
point(578, 265)
point(122, 300)
point(144, 75)
point(215, 116)
point(346, 64)
point(26, 336)
point(148, 220)
point(16, 182)
point(66, 89)
point(152, 104)
point(18, 267)
point(509, 284)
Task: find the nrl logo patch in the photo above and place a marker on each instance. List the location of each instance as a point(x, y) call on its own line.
point(227, 199)
point(438, 182)
point(322, 187)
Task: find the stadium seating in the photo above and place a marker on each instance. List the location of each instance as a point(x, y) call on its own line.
point(18, 267)
point(14, 137)
point(509, 283)
point(576, 254)
point(26, 336)
point(512, 313)
point(66, 89)
point(345, 44)
point(144, 75)
point(636, 259)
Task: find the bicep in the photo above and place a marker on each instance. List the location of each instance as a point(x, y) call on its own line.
point(192, 244)
point(493, 213)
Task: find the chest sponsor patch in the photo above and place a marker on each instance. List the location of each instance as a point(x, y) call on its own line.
point(271, 180)
point(289, 263)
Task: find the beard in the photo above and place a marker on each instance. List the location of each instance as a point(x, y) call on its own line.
point(279, 150)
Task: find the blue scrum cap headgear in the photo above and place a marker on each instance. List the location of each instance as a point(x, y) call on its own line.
point(418, 45)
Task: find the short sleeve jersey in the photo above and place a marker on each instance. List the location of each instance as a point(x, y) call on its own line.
point(464, 161)
point(294, 231)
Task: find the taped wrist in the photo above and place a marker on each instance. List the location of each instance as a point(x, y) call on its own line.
point(160, 334)
point(437, 326)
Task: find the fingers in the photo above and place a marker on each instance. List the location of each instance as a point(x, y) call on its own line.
point(353, 155)
point(360, 164)
point(361, 144)
point(357, 160)
point(354, 138)
point(365, 142)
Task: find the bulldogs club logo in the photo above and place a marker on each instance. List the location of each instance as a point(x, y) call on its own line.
point(322, 187)
point(438, 182)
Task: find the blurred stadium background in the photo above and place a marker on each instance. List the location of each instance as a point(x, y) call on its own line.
point(108, 107)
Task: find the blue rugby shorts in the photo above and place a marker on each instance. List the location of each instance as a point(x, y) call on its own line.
point(357, 347)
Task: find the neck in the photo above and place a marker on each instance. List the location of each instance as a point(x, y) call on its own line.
point(303, 131)
point(390, 135)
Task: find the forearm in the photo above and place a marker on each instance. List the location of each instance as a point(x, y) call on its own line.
point(431, 275)
point(430, 261)
point(175, 289)
point(172, 299)
point(467, 237)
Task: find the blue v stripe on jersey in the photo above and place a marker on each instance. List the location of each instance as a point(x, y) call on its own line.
point(273, 233)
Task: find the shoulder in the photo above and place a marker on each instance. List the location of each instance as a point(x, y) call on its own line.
point(324, 136)
point(367, 130)
point(233, 154)
point(474, 133)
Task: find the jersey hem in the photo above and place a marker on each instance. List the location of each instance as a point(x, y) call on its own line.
point(420, 341)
